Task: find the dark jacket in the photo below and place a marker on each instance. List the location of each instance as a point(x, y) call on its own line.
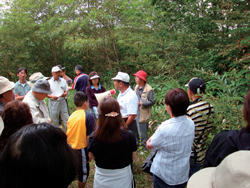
point(225, 143)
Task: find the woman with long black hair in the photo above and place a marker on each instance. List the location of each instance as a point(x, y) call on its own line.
point(112, 148)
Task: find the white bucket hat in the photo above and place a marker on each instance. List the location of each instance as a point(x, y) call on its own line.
point(122, 76)
point(5, 85)
point(36, 76)
point(232, 172)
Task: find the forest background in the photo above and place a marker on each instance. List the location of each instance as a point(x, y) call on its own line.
point(171, 40)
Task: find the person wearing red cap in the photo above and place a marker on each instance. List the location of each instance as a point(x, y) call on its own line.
point(145, 96)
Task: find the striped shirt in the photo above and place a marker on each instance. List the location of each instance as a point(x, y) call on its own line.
point(202, 113)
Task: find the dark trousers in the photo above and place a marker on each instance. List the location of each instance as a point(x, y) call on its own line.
point(159, 183)
point(133, 127)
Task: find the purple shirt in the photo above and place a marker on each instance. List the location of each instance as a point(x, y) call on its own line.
point(90, 91)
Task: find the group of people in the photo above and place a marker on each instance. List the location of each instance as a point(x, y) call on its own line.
point(112, 142)
point(32, 141)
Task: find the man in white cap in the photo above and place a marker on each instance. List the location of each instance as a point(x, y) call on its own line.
point(6, 92)
point(35, 99)
point(128, 102)
point(233, 172)
point(57, 103)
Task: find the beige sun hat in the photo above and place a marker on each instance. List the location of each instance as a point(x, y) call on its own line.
point(5, 85)
point(232, 172)
point(122, 76)
point(36, 76)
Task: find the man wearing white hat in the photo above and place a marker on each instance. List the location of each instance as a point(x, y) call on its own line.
point(128, 102)
point(6, 92)
point(57, 103)
point(35, 100)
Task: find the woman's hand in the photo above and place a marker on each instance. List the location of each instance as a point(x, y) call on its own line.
point(148, 144)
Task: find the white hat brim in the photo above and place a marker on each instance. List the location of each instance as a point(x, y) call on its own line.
point(116, 78)
point(201, 178)
point(95, 76)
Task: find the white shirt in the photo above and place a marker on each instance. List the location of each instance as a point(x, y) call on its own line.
point(173, 141)
point(58, 87)
point(128, 102)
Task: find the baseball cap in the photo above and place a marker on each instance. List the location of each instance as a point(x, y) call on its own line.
point(42, 86)
point(196, 83)
point(122, 76)
point(232, 172)
point(5, 85)
point(141, 74)
point(55, 69)
point(61, 67)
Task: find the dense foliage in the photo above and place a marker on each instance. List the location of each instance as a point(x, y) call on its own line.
point(172, 40)
point(168, 38)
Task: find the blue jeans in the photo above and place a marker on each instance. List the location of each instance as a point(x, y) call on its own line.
point(194, 169)
point(159, 183)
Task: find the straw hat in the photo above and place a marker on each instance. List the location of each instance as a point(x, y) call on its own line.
point(36, 76)
point(5, 85)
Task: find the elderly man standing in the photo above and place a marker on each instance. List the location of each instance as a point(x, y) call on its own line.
point(57, 103)
point(35, 99)
point(6, 92)
point(81, 80)
point(145, 96)
point(128, 102)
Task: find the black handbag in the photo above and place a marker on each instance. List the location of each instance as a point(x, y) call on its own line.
point(148, 162)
